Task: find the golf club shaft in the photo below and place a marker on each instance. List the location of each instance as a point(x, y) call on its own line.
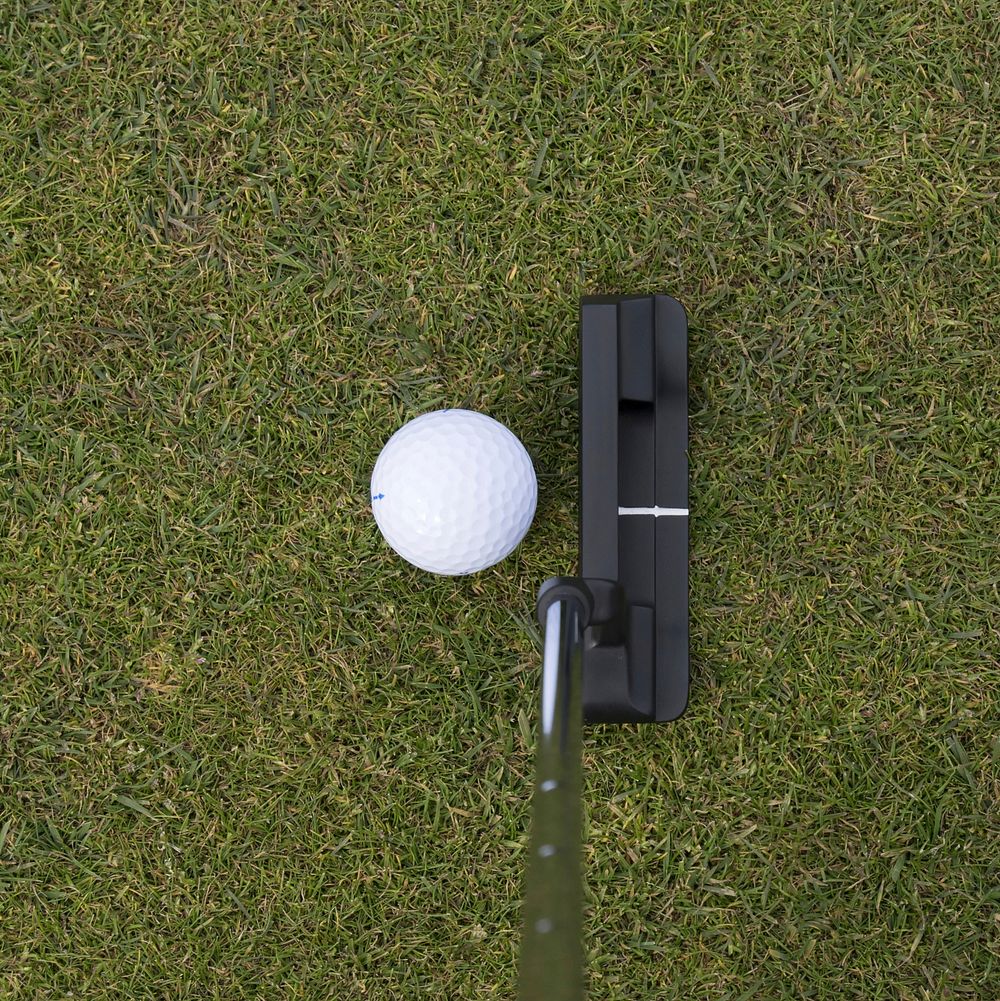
point(551, 952)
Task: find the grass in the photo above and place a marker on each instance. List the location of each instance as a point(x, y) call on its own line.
point(246, 752)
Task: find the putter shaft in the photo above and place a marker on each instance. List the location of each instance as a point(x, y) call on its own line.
point(551, 951)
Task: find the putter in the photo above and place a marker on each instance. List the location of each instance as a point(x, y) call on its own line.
point(616, 637)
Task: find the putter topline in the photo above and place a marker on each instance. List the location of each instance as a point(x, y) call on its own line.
point(616, 637)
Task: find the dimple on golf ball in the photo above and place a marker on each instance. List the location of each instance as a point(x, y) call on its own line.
point(453, 492)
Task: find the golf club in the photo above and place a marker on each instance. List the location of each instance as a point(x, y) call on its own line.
point(616, 638)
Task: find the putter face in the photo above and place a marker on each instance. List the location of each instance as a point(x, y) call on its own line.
point(634, 507)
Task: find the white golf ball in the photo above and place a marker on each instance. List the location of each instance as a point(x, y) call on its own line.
point(453, 492)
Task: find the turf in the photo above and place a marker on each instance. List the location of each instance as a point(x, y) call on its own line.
point(246, 752)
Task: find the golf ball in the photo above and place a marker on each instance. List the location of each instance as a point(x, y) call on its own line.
point(453, 491)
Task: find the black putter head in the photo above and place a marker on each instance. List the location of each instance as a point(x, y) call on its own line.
point(633, 507)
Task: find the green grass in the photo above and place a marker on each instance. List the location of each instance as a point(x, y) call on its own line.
point(246, 752)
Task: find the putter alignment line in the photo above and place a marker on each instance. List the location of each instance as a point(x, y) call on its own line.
point(656, 512)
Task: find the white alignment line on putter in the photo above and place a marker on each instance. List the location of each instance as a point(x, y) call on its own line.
point(656, 512)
